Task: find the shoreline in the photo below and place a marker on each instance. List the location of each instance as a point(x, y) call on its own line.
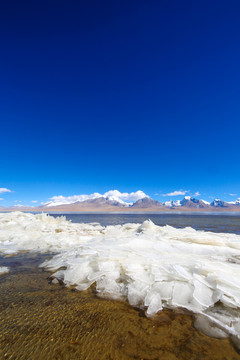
point(94, 212)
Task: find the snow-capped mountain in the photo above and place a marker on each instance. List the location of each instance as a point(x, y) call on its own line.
point(236, 202)
point(205, 202)
point(192, 202)
point(187, 201)
point(219, 203)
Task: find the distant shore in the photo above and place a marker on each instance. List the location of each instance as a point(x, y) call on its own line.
point(63, 210)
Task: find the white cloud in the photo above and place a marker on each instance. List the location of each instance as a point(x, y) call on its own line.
point(233, 194)
point(60, 200)
point(1, 198)
point(197, 193)
point(4, 190)
point(133, 196)
point(34, 201)
point(124, 198)
point(18, 205)
point(176, 193)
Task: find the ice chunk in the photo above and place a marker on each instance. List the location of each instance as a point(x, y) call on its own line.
point(151, 266)
point(202, 294)
point(209, 327)
point(154, 303)
point(182, 294)
point(4, 270)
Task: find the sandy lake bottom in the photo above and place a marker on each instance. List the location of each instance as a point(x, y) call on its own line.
point(41, 320)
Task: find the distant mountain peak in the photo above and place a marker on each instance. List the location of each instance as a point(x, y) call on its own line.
point(219, 203)
point(192, 202)
point(146, 202)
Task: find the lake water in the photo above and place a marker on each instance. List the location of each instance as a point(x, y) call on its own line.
point(216, 223)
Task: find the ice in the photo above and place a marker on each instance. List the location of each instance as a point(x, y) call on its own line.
point(4, 270)
point(153, 302)
point(182, 294)
point(152, 267)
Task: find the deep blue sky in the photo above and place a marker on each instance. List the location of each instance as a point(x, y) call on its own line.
point(98, 95)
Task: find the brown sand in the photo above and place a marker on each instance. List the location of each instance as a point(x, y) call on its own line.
point(39, 320)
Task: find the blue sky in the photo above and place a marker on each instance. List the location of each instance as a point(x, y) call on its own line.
point(123, 95)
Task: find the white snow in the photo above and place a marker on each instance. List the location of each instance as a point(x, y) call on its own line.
point(3, 270)
point(152, 267)
point(205, 202)
point(236, 202)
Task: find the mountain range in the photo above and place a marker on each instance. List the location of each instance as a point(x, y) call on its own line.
point(146, 204)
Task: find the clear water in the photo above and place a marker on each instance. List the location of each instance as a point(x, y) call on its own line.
point(40, 320)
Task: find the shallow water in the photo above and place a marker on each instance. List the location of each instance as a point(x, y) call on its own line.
point(39, 320)
point(50, 321)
